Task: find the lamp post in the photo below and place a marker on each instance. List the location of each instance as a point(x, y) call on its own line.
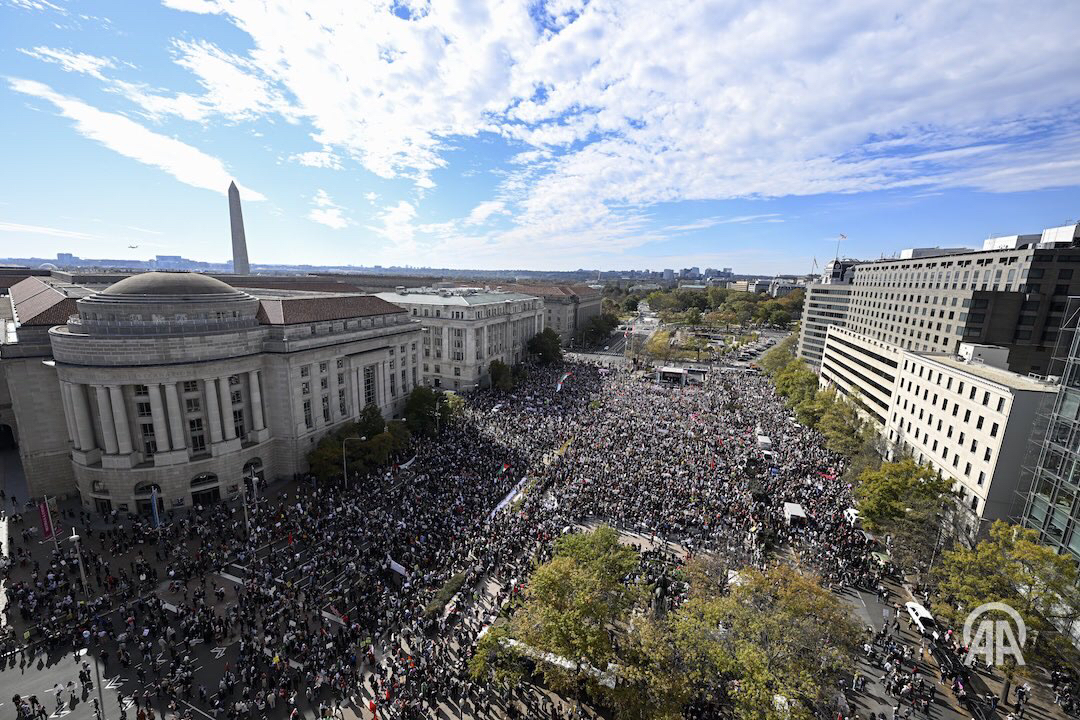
point(345, 458)
point(86, 589)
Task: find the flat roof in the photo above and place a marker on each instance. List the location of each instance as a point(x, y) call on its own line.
point(988, 372)
point(480, 298)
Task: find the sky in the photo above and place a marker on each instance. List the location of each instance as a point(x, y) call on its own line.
point(540, 134)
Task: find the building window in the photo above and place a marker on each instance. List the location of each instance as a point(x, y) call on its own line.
point(141, 390)
point(149, 443)
point(1000, 404)
point(340, 363)
point(198, 437)
point(305, 388)
point(393, 386)
point(324, 383)
point(238, 422)
point(994, 430)
point(236, 397)
point(307, 415)
point(369, 385)
point(979, 423)
point(323, 367)
point(142, 409)
point(193, 405)
point(234, 380)
point(326, 408)
point(305, 371)
point(341, 401)
point(191, 386)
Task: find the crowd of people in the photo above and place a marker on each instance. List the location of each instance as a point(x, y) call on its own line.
point(336, 594)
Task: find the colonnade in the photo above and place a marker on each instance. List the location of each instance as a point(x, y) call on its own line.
point(167, 415)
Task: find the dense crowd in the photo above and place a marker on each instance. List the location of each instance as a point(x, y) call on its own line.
point(335, 593)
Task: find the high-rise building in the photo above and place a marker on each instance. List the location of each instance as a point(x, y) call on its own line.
point(825, 304)
point(1011, 294)
point(239, 238)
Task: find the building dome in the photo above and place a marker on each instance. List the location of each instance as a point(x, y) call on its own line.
point(170, 284)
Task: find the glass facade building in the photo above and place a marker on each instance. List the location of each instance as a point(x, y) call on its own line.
point(1052, 505)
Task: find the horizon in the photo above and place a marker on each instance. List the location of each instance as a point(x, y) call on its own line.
point(551, 137)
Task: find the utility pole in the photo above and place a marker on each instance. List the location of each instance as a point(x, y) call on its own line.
point(86, 589)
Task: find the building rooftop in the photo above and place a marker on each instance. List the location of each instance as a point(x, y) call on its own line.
point(1011, 380)
point(317, 308)
point(169, 284)
point(455, 298)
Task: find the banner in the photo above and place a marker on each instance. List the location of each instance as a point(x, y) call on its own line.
point(397, 567)
point(153, 506)
point(46, 520)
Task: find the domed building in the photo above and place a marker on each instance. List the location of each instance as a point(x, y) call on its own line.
point(178, 385)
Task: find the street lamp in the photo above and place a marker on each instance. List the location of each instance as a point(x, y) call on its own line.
point(345, 458)
point(86, 589)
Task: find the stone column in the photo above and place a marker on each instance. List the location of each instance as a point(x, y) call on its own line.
point(212, 414)
point(157, 413)
point(226, 409)
point(120, 420)
point(176, 418)
point(69, 413)
point(334, 414)
point(105, 414)
point(83, 426)
point(256, 400)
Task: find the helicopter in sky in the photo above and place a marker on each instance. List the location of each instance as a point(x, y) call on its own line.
point(132, 246)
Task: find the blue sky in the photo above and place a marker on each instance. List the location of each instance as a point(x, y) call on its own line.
point(550, 134)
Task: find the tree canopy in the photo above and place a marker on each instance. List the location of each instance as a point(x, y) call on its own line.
point(424, 409)
point(546, 346)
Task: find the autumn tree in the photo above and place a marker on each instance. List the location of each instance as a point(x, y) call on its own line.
point(1010, 566)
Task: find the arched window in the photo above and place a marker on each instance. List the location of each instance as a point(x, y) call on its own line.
point(204, 479)
point(144, 489)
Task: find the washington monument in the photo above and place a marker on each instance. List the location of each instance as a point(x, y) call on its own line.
point(239, 240)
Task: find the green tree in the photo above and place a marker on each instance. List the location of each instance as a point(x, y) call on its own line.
point(883, 495)
point(659, 345)
point(777, 633)
point(630, 304)
point(500, 375)
point(779, 356)
point(1011, 566)
point(421, 410)
point(693, 317)
point(842, 428)
point(370, 423)
point(546, 346)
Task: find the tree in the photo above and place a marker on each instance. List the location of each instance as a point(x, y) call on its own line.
point(842, 428)
point(571, 603)
point(779, 356)
point(370, 423)
point(455, 404)
point(422, 408)
point(500, 375)
point(1011, 566)
point(630, 304)
point(775, 633)
point(884, 495)
point(693, 317)
point(659, 345)
point(545, 345)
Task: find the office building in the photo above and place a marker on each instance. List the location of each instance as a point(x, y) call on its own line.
point(567, 308)
point(1011, 294)
point(970, 420)
point(464, 329)
point(825, 304)
point(178, 384)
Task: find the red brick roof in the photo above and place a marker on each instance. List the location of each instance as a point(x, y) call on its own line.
point(39, 303)
point(293, 311)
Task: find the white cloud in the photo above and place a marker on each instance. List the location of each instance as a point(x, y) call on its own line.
point(318, 159)
point(618, 105)
point(122, 135)
point(91, 65)
point(327, 212)
point(485, 210)
point(42, 230)
point(397, 225)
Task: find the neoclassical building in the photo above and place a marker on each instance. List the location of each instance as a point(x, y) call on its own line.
point(182, 383)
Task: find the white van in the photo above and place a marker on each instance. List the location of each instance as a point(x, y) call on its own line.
point(922, 620)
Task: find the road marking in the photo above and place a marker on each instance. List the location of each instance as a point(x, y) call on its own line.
point(113, 683)
point(219, 652)
point(206, 715)
point(170, 607)
point(231, 578)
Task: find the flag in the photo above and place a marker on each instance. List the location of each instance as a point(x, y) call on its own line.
point(46, 520)
point(564, 378)
point(153, 506)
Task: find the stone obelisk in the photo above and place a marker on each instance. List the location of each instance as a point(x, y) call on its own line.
point(239, 240)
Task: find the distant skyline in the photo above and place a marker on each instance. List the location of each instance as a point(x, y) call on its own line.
point(543, 135)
